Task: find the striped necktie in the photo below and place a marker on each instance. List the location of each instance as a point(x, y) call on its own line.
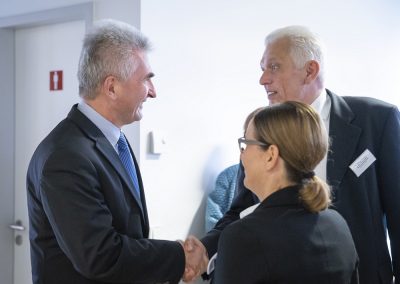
point(127, 161)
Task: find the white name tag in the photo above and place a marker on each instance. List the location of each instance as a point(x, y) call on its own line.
point(362, 162)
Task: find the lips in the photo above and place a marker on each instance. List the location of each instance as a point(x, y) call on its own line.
point(271, 93)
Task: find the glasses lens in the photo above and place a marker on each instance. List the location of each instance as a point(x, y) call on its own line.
point(242, 146)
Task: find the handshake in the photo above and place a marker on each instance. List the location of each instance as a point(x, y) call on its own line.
point(196, 259)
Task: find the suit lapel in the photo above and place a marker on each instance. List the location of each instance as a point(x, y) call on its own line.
point(344, 137)
point(107, 150)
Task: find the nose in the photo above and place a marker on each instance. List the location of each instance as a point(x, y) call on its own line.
point(152, 91)
point(265, 78)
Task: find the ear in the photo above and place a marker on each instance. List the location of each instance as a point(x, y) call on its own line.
point(312, 71)
point(272, 156)
point(109, 87)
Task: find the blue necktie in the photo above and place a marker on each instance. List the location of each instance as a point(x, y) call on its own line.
point(127, 161)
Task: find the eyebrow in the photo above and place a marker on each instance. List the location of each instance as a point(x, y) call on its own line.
point(271, 59)
point(150, 75)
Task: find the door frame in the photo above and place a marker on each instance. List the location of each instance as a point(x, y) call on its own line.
point(8, 26)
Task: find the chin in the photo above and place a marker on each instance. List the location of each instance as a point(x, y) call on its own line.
point(274, 101)
point(250, 187)
point(137, 116)
point(246, 184)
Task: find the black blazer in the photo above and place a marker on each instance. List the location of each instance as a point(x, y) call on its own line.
point(281, 242)
point(369, 203)
point(86, 224)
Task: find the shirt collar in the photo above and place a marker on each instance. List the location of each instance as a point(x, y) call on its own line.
point(322, 104)
point(110, 131)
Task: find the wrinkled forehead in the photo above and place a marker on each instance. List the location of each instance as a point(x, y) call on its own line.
point(278, 49)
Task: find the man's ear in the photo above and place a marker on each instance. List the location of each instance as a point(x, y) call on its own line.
point(312, 71)
point(109, 87)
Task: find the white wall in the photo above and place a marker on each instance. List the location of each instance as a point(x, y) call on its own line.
point(206, 60)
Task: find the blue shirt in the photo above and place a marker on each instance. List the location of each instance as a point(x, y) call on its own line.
point(110, 131)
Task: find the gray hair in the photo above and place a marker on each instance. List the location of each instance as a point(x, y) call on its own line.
point(107, 50)
point(303, 46)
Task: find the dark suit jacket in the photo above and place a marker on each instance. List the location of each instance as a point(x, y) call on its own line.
point(281, 242)
point(369, 203)
point(86, 224)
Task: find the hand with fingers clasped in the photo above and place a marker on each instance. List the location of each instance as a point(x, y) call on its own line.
point(196, 259)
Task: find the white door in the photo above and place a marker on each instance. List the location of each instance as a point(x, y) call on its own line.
point(39, 50)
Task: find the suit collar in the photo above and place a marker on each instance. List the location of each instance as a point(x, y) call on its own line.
point(322, 104)
point(288, 196)
point(104, 146)
point(109, 130)
point(344, 137)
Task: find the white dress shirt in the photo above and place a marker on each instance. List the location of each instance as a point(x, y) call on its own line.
point(322, 105)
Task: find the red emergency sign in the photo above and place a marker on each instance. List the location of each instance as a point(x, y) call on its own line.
point(56, 80)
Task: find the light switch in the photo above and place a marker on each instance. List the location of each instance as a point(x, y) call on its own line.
point(157, 142)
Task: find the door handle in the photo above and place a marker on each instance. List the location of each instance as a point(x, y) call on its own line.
point(17, 226)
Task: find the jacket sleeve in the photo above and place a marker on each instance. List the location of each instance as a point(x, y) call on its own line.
point(389, 184)
point(244, 198)
point(240, 257)
point(79, 215)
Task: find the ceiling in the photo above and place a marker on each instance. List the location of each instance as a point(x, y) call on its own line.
point(18, 7)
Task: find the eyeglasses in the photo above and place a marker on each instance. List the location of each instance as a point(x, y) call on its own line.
point(243, 142)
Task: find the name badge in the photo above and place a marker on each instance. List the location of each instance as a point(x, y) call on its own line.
point(362, 162)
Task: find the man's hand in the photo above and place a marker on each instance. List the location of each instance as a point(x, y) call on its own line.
point(196, 259)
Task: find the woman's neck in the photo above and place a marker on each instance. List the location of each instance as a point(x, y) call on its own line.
point(273, 185)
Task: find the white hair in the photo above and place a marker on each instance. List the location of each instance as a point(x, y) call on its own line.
point(303, 46)
point(108, 49)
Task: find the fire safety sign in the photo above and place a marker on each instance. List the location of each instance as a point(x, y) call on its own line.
point(56, 80)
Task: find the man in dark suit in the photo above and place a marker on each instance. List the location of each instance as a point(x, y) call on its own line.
point(362, 165)
point(87, 207)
